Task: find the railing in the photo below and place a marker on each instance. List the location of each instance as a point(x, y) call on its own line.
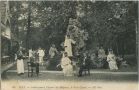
point(6, 60)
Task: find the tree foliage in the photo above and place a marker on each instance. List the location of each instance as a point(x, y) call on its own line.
point(111, 24)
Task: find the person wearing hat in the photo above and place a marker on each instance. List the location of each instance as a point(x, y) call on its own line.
point(111, 59)
point(66, 65)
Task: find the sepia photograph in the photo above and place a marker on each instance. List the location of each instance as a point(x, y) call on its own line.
point(69, 45)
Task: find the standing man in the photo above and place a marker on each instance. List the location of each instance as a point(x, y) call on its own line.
point(41, 55)
point(68, 45)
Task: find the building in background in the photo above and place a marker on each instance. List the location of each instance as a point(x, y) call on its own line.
point(7, 37)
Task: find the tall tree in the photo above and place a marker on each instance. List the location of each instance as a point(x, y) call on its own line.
point(29, 26)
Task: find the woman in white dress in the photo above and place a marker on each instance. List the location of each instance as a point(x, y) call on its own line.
point(66, 65)
point(68, 45)
point(41, 55)
point(111, 59)
point(20, 63)
point(52, 51)
point(101, 53)
point(30, 54)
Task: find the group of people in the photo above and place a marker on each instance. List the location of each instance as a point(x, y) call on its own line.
point(37, 55)
point(101, 60)
point(84, 60)
point(69, 65)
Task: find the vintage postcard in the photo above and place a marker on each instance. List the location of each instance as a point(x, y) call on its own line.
point(69, 45)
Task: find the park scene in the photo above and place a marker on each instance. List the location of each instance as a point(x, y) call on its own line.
point(83, 41)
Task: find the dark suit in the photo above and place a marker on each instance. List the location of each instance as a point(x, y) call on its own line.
point(34, 64)
point(84, 64)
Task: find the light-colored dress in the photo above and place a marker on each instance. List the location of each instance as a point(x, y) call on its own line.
point(20, 66)
point(20, 63)
point(101, 53)
point(66, 66)
point(112, 62)
point(41, 55)
point(68, 46)
point(30, 53)
point(52, 52)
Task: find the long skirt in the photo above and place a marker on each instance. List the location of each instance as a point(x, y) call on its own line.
point(20, 66)
point(40, 59)
point(68, 49)
point(113, 65)
point(68, 70)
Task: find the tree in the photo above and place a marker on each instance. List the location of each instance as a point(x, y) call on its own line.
point(109, 23)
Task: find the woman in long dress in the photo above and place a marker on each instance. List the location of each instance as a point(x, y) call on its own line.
point(30, 54)
point(66, 65)
point(53, 58)
point(41, 55)
point(101, 57)
point(20, 63)
point(68, 45)
point(52, 51)
point(112, 61)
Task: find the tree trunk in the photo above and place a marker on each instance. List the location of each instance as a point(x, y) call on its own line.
point(117, 47)
point(17, 16)
point(28, 27)
point(137, 40)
